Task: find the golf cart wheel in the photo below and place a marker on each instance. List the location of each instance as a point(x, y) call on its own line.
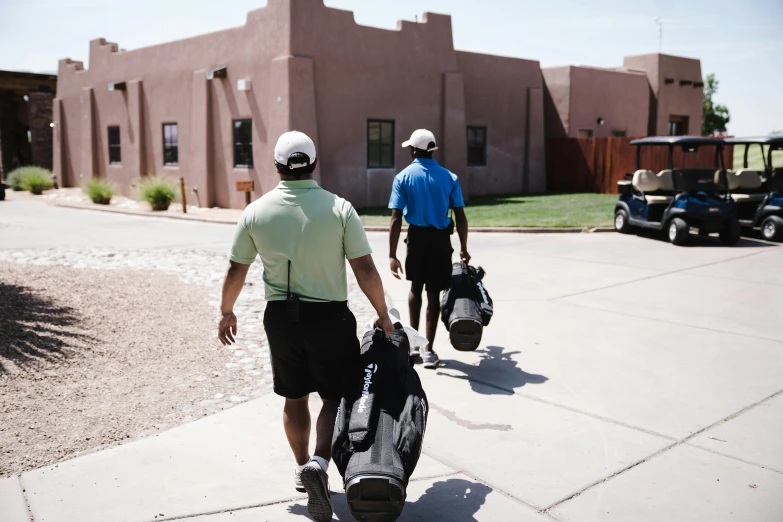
point(731, 233)
point(772, 228)
point(621, 221)
point(678, 231)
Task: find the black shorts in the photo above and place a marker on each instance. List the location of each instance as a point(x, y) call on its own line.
point(316, 353)
point(428, 260)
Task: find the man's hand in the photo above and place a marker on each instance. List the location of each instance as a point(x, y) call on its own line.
point(227, 328)
point(386, 324)
point(463, 255)
point(395, 266)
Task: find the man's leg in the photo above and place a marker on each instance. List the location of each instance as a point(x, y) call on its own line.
point(414, 303)
point(324, 428)
point(433, 313)
point(296, 421)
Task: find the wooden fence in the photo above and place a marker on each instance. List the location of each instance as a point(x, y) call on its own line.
point(597, 164)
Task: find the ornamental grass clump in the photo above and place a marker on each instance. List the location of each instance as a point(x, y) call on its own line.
point(34, 179)
point(158, 192)
point(100, 191)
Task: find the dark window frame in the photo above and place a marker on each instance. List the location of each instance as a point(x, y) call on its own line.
point(387, 148)
point(472, 160)
point(171, 145)
point(619, 133)
point(243, 151)
point(590, 133)
point(115, 148)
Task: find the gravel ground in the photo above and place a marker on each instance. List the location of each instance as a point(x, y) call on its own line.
point(100, 346)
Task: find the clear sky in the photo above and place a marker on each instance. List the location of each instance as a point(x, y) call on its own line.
point(740, 41)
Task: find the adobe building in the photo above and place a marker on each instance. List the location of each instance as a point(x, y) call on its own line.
point(211, 108)
point(25, 120)
point(652, 94)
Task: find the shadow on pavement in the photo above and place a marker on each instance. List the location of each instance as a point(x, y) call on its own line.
point(455, 500)
point(496, 368)
point(695, 240)
point(35, 329)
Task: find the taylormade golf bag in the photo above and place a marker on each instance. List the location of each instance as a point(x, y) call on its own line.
point(466, 307)
point(380, 428)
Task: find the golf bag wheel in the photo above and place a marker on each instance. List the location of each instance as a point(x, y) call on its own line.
point(772, 228)
point(731, 233)
point(678, 231)
point(621, 221)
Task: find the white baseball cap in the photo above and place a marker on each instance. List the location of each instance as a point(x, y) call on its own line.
point(291, 143)
point(421, 139)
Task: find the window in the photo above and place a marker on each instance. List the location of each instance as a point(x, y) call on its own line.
point(477, 146)
point(380, 144)
point(115, 157)
point(584, 133)
point(618, 134)
point(170, 144)
point(243, 143)
point(678, 125)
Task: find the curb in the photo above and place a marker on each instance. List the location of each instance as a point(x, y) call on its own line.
point(368, 228)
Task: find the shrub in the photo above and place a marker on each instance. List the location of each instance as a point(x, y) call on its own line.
point(34, 179)
point(158, 192)
point(100, 191)
point(14, 180)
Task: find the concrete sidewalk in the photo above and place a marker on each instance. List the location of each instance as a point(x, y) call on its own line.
point(622, 379)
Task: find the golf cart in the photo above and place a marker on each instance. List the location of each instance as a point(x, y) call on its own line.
point(759, 195)
point(678, 199)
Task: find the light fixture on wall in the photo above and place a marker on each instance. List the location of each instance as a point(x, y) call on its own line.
point(243, 85)
point(119, 86)
point(217, 72)
point(600, 121)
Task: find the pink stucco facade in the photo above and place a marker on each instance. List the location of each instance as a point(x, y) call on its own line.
point(313, 69)
point(638, 99)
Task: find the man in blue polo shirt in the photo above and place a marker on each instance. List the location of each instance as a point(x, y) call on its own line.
point(423, 194)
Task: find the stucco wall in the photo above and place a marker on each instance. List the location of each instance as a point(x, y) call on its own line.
point(557, 108)
point(620, 98)
point(497, 93)
point(671, 99)
point(161, 81)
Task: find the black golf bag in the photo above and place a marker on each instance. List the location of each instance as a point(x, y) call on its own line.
point(466, 307)
point(380, 428)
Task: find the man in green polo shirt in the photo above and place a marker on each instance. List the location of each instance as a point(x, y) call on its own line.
point(303, 235)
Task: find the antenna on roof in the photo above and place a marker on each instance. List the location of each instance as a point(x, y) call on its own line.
point(658, 21)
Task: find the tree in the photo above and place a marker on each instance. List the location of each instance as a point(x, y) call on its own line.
point(713, 117)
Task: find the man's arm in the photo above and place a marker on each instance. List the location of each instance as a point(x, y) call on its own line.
point(462, 231)
point(394, 238)
point(232, 286)
point(370, 282)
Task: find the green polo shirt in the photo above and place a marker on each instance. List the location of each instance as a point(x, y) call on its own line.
point(314, 229)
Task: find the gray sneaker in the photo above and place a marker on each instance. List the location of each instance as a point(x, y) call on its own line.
point(316, 483)
point(430, 359)
point(298, 481)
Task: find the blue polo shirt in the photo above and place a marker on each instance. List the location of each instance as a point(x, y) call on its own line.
point(424, 191)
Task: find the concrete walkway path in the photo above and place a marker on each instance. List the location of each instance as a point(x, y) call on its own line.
point(622, 379)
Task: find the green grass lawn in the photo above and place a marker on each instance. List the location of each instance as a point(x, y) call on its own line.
point(755, 157)
point(557, 210)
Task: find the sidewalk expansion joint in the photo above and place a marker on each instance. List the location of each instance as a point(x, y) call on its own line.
point(573, 410)
point(285, 501)
point(675, 323)
point(664, 450)
point(491, 485)
point(26, 499)
point(655, 276)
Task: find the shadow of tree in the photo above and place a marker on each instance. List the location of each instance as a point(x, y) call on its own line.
point(455, 500)
point(35, 329)
point(496, 368)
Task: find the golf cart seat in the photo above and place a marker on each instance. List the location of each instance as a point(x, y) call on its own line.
point(745, 185)
point(654, 188)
